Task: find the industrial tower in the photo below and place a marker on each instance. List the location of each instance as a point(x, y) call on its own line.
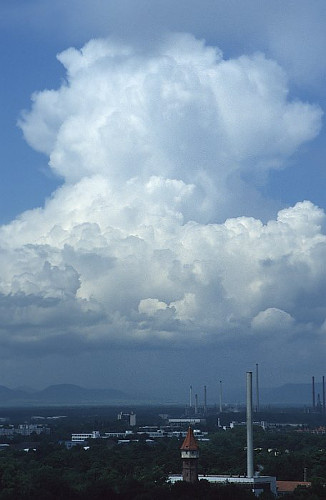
point(189, 456)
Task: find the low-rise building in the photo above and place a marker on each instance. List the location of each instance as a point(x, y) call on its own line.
point(187, 421)
point(257, 484)
point(286, 487)
point(114, 435)
point(28, 429)
point(24, 430)
point(7, 430)
point(84, 436)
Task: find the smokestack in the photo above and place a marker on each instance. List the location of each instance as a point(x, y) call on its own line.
point(250, 445)
point(323, 394)
point(190, 397)
point(313, 394)
point(257, 389)
point(205, 399)
point(196, 404)
point(221, 408)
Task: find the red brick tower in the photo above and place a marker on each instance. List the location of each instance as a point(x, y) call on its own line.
point(190, 455)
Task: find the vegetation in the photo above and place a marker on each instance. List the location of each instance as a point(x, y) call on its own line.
point(139, 470)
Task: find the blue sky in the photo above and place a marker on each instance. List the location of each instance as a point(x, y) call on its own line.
point(139, 197)
point(29, 63)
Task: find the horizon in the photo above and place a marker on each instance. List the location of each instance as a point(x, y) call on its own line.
point(233, 395)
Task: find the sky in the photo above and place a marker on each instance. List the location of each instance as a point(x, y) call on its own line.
point(162, 195)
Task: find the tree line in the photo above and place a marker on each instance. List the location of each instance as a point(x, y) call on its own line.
point(139, 471)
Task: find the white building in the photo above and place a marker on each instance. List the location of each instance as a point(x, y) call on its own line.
point(256, 484)
point(24, 429)
point(28, 429)
point(115, 434)
point(187, 421)
point(80, 438)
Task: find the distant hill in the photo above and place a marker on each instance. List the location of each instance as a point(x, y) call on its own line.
point(61, 394)
point(70, 394)
point(290, 394)
point(25, 388)
point(10, 394)
point(287, 394)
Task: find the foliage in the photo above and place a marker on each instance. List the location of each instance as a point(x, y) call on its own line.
point(139, 470)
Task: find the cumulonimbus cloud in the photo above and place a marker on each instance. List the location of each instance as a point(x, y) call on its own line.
point(147, 145)
point(180, 111)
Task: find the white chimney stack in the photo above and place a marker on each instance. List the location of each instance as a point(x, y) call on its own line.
point(250, 445)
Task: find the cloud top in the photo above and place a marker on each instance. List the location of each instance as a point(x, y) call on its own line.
point(179, 110)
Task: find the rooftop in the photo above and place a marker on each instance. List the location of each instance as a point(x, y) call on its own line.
point(289, 486)
point(190, 442)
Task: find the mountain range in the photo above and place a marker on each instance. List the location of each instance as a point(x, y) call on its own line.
point(70, 394)
point(287, 394)
point(61, 394)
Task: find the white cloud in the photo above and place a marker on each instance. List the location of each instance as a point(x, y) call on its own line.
point(273, 321)
point(151, 306)
point(148, 145)
point(164, 278)
point(179, 111)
